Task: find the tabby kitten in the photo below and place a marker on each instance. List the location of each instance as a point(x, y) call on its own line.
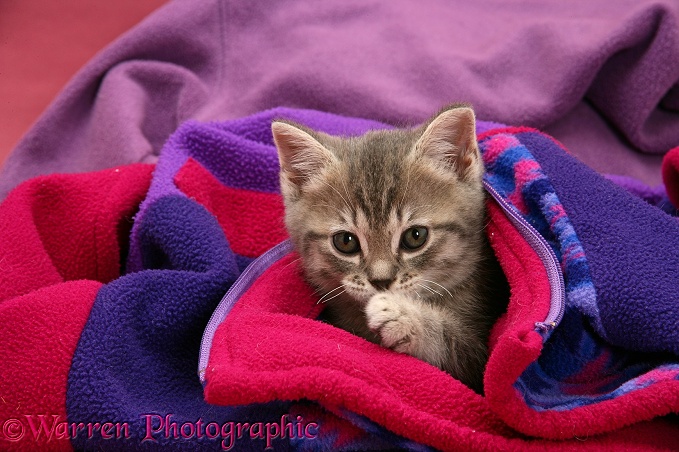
point(390, 228)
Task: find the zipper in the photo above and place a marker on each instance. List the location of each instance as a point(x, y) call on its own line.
point(546, 254)
point(251, 273)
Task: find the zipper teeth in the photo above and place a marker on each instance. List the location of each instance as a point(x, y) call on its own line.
point(243, 283)
point(546, 255)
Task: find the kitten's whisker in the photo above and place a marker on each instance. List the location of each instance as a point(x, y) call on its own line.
point(346, 192)
point(292, 262)
point(333, 290)
point(433, 290)
point(442, 287)
point(330, 292)
point(416, 208)
point(405, 191)
point(334, 296)
point(429, 289)
point(328, 205)
point(340, 194)
point(424, 287)
point(437, 292)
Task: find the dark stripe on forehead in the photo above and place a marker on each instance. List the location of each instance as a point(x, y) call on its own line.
point(377, 196)
point(390, 199)
point(375, 165)
point(362, 200)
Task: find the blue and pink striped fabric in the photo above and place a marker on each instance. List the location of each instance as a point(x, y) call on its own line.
point(578, 366)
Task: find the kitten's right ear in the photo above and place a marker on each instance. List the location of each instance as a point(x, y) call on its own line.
point(301, 156)
point(450, 139)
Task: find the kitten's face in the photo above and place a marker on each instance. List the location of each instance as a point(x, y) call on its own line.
point(392, 210)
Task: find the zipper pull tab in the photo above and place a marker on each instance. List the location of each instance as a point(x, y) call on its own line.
point(544, 327)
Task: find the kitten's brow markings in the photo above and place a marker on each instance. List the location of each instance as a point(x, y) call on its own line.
point(312, 235)
point(453, 227)
point(309, 238)
point(328, 205)
point(415, 209)
point(340, 194)
point(342, 214)
point(421, 206)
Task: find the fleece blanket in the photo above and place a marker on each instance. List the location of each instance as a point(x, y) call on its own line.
point(599, 75)
point(158, 307)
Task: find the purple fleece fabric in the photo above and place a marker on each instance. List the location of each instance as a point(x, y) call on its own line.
point(600, 75)
point(655, 196)
point(634, 279)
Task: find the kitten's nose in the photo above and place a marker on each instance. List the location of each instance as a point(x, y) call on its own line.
point(381, 284)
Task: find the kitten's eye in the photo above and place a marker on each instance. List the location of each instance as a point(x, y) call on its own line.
point(346, 242)
point(414, 238)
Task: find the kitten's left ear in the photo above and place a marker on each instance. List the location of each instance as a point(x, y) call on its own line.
point(450, 139)
point(302, 157)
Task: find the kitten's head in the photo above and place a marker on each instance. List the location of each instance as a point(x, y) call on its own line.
point(398, 210)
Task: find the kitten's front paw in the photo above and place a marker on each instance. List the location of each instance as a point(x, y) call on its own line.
point(396, 321)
